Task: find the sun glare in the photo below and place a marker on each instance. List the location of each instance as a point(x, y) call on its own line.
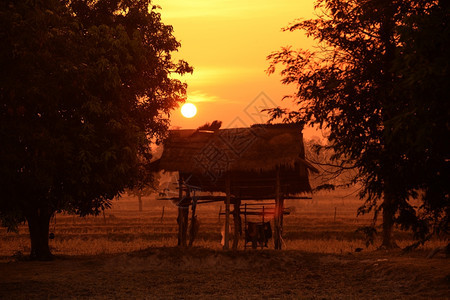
point(188, 110)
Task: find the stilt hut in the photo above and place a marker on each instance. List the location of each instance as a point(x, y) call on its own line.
point(260, 162)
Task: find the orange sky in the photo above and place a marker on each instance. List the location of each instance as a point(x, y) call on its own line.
point(227, 42)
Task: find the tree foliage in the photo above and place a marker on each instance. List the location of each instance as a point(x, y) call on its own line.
point(84, 88)
point(332, 175)
point(420, 127)
point(359, 84)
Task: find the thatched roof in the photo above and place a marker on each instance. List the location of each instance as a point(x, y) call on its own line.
point(251, 156)
point(259, 148)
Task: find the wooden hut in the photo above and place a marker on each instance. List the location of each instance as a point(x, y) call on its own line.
point(256, 163)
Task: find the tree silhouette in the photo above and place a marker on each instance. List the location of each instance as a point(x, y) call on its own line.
point(83, 92)
point(351, 85)
point(420, 128)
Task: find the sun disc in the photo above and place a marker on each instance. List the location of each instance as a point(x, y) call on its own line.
point(188, 110)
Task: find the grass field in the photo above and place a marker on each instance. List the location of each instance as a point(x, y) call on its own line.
point(126, 253)
point(312, 226)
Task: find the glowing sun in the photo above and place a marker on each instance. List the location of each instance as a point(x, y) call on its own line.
point(188, 110)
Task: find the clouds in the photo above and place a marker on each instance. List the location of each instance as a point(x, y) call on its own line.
point(201, 96)
point(214, 75)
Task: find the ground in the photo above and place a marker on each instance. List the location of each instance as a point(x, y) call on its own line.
point(172, 273)
point(129, 254)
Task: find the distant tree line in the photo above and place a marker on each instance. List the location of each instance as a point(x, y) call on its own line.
point(85, 88)
point(378, 82)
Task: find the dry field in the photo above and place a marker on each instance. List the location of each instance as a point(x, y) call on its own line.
point(130, 254)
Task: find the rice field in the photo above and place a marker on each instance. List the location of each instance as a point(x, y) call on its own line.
point(127, 254)
point(325, 224)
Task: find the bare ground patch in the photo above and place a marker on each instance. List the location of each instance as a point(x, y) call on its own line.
point(172, 273)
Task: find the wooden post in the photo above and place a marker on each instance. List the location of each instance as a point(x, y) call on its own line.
point(185, 207)
point(194, 225)
point(227, 211)
point(140, 201)
point(237, 223)
point(245, 226)
point(263, 214)
point(281, 219)
point(276, 219)
point(180, 211)
point(183, 215)
point(263, 231)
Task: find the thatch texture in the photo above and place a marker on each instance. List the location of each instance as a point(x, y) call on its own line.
point(259, 148)
point(251, 155)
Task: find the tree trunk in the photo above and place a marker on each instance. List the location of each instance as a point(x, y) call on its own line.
point(388, 221)
point(140, 202)
point(38, 224)
point(386, 34)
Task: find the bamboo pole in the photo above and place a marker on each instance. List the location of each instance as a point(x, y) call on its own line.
point(209, 199)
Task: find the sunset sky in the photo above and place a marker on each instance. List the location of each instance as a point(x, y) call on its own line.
point(227, 42)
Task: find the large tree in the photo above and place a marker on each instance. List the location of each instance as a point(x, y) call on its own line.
point(420, 128)
point(350, 86)
point(84, 90)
